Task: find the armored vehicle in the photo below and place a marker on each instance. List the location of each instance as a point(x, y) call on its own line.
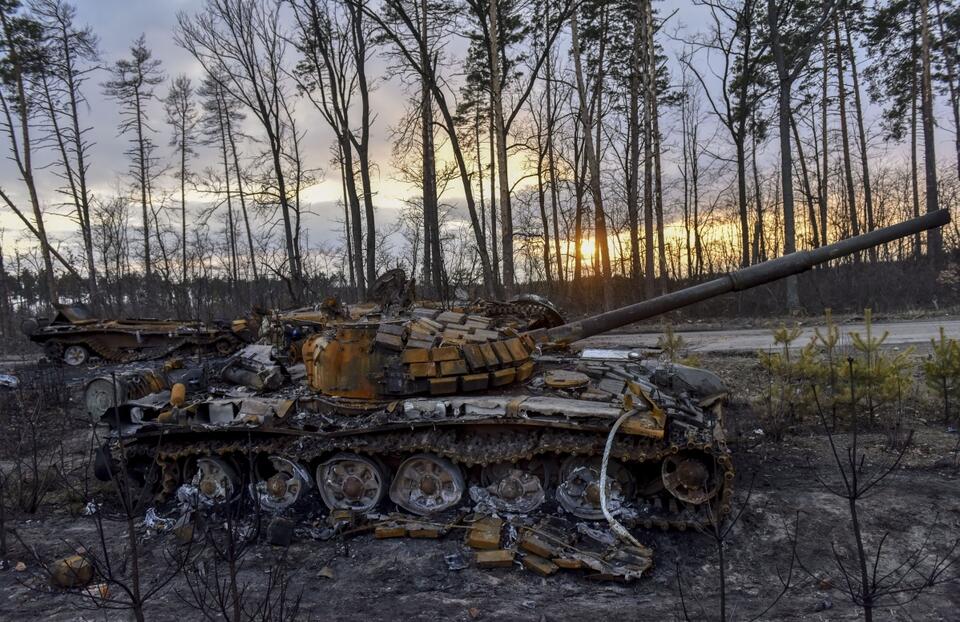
point(74, 334)
point(428, 410)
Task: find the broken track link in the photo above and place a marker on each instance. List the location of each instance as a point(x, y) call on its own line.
point(479, 450)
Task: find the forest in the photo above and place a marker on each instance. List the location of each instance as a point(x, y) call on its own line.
point(569, 147)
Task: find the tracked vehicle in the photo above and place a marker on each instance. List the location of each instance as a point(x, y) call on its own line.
point(75, 334)
point(429, 410)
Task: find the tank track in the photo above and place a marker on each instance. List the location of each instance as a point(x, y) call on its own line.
point(505, 446)
point(104, 350)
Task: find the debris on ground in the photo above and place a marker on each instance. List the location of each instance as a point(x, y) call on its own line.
point(73, 571)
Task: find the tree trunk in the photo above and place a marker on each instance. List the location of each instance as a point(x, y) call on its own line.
point(142, 171)
point(658, 176)
point(433, 260)
point(356, 229)
point(633, 159)
point(242, 196)
point(551, 160)
point(346, 226)
point(786, 157)
point(934, 236)
point(545, 223)
point(823, 129)
point(71, 177)
point(950, 60)
point(914, 169)
point(600, 233)
point(805, 176)
point(853, 216)
point(81, 172)
point(500, 136)
point(359, 47)
point(494, 242)
point(862, 135)
point(759, 239)
point(579, 175)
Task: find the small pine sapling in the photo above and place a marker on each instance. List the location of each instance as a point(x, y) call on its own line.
point(942, 371)
point(830, 359)
point(674, 347)
point(792, 373)
point(882, 376)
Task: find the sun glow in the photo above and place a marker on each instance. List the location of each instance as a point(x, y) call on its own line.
point(587, 249)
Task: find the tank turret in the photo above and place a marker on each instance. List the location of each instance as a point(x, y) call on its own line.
point(433, 352)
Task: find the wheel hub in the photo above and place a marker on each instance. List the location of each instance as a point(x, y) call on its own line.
point(509, 489)
point(426, 483)
point(277, 486)
point(280, 483)
point(215, 482)
point(514, 488)
point(429, 485)
point(351, 482)
point(353, 487)
point(579, 489)
point(690, 477)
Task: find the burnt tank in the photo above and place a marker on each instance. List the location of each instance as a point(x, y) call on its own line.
point(75, 334)
point(429, 411)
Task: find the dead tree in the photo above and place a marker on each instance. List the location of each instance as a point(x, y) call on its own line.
point(132, 85)
point(403, 32)
point(71, 56)
point(24, 58)
point(328, 76)
point(241, 46)
point(181, 112)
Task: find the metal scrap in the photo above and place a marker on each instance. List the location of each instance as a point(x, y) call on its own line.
point(255, 368)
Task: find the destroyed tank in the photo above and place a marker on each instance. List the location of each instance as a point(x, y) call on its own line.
point(430, 411)
point(75, 334)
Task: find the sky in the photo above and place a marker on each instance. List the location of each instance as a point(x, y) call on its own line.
point(119, 22)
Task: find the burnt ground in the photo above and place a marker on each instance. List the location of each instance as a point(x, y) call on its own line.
point(360, 578)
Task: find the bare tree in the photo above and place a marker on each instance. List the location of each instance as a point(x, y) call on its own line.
point(71, 56)
point(132, 85)
point(241, 45)
point(24, 57)
point(328, 76)
point(402, 30)
point(181, 112)
point(593, 163)
point(875, 582)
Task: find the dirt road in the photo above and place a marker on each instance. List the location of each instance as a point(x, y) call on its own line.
point(750, 340)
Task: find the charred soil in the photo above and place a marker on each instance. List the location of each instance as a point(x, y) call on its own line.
point(788, 520)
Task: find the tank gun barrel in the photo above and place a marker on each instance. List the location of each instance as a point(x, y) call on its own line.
point(739, 280)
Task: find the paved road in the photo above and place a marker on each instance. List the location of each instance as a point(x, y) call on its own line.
point(743, 340)
point(750, 340)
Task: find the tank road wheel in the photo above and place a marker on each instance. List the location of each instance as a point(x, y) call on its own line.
point(690, 476)
point(215, 482)
point(426, 483)
point(280, 483)
point(75, 355)
point(579, 489)
point(351, 482)
point(514, 487)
